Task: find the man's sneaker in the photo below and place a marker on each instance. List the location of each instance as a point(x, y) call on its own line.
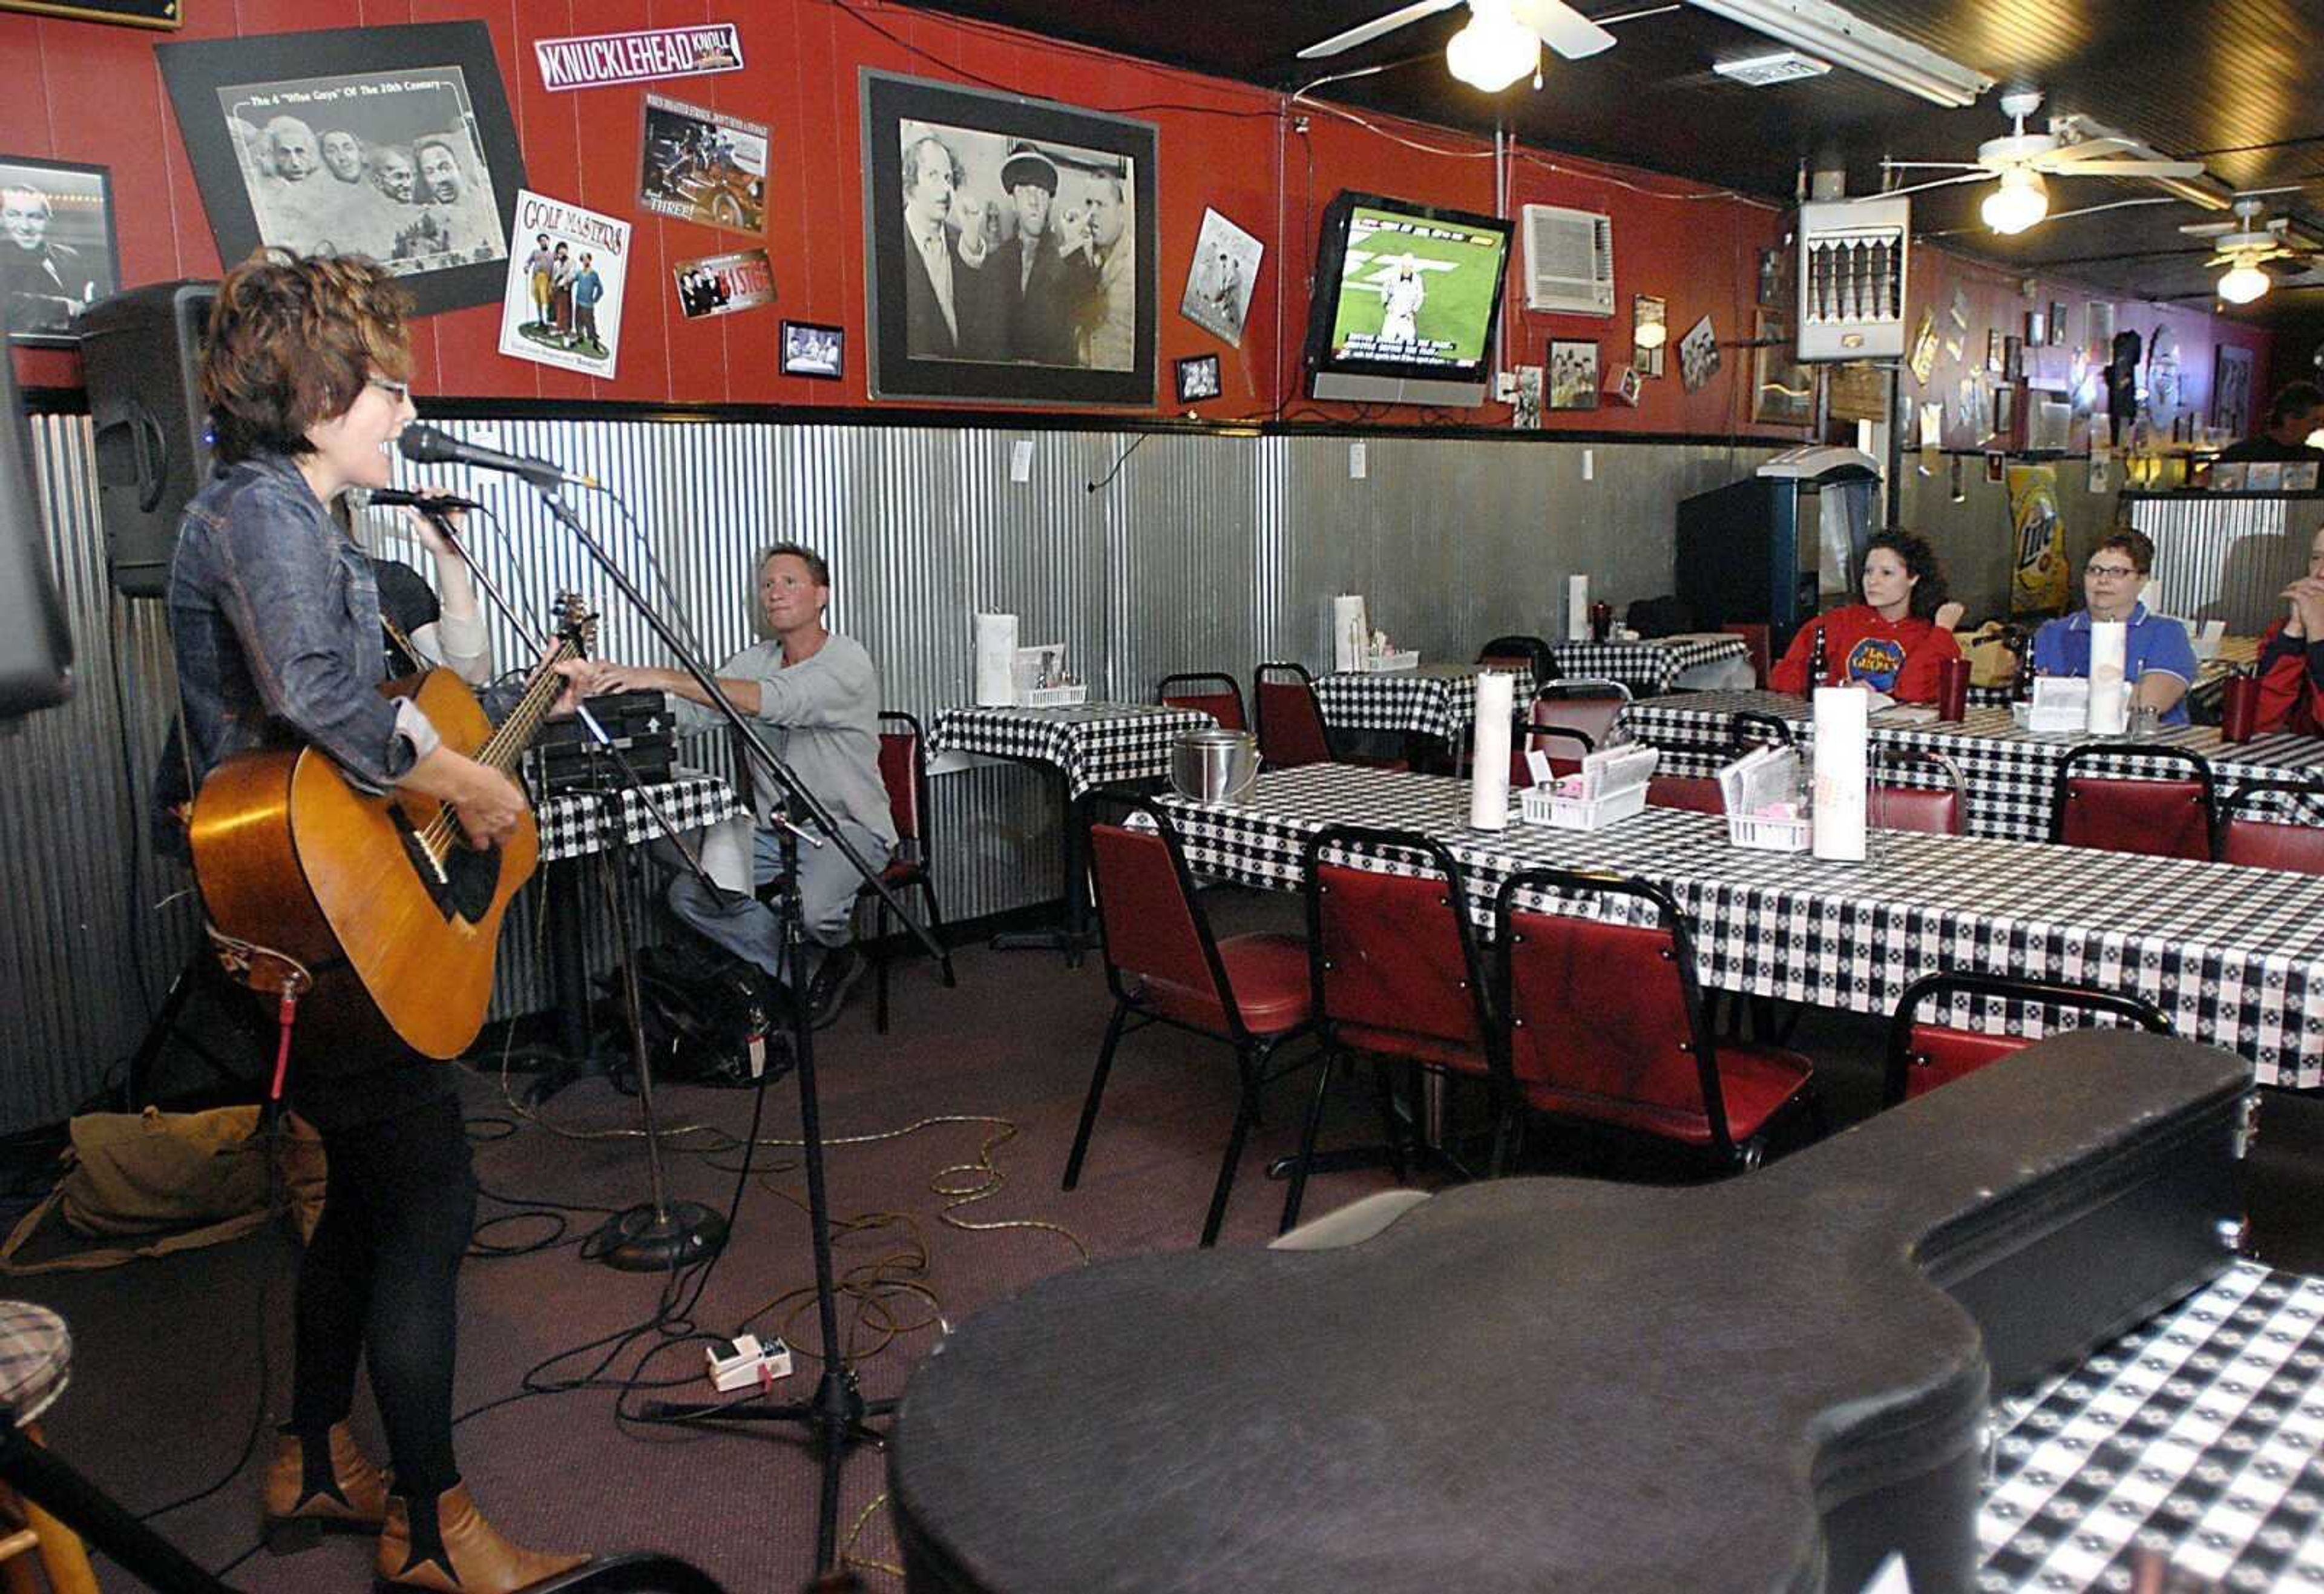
point(827, 993)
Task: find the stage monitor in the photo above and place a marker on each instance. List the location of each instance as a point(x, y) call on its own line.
point(35, 648)
point(1404, 302)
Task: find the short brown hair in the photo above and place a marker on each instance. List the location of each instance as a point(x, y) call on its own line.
point(2136, 543)
point(816, 565)
point(291, 342)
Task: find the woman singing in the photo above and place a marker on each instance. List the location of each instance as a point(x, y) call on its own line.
point(275, 614)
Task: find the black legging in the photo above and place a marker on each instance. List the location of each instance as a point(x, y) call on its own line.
point(380, 1277)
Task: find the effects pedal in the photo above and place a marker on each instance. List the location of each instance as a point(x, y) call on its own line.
point(742, 1362)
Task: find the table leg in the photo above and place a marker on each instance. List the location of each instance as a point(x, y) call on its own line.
point(1073, 936)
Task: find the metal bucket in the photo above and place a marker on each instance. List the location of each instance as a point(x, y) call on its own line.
point(1213, 764)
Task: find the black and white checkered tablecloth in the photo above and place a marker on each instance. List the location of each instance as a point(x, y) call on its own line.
point(1095, 744)
point(1651, 665)
point(1436, 700)
point(2233, 957)
point(2196, 1435)
point(2008, 774)
point(579, 821)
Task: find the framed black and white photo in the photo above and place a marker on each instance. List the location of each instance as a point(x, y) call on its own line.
point(1220, 277)
point(57, 250)
point(1698, 356)
point(1198, 378)
point(723, 284)
point(813, 350)
point(1573, 374)
point(393, 142)
point(1010, 247)
point(131, 14)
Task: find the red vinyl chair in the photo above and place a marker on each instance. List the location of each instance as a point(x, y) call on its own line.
point(1215, 695)
point(1939, 811)
point(1699, 793)
point(904, 771)
point(1605, 1021)
point(2260, 843)
point(1755, 648)
point(1394, 967)
point(1923, 1056)
point(1291, 729)
point(1586, 704)
point(2166, 818)
point(1566, 750)
point(1164, 965)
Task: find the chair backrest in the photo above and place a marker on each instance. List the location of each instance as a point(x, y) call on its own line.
point(1512, 652)
point(1749, 728)
point(2291, 845)
point(1608, 1015)
point(1939, 811)
point(1150, 924)
point(1215, 695)
point(1755, 648)
point(1590, 707)
point(2168, 817)
point(1923, 1056)
point(1697, 794)
point(1395, 954)
point(904, 771)
point(1291, 730)
point(1566, 750)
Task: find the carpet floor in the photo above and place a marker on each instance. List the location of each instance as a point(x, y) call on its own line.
point(947, 1137)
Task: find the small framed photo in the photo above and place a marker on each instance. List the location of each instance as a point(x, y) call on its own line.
point(2228, 476)
point(1198, 378)
point(2299, 476)
point(1996, 465)
point(57, 250)
point(2037, 328)
point(1994, 351)
point(1573, 374)
point(810, 349)
point(2057, 324)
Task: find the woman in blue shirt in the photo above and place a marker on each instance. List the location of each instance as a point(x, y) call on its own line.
point(2158, 660)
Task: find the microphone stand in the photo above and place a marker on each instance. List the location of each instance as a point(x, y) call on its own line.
point(836, 1417)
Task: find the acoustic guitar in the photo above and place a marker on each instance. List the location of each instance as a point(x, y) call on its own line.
point(381, 899)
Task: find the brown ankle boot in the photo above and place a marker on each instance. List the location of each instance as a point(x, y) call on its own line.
point(446, 1544)
point(320, 1484)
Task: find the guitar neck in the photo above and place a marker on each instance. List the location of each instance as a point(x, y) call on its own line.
point(514, 734)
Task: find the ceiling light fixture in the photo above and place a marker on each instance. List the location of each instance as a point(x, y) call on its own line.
point(2021, 199)
point(2242, 282)
point(1830, 34)
point(1492, 49)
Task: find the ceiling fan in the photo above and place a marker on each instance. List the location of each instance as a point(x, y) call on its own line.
point(2255, 247)
point(2022, 160)
point(1498, 44)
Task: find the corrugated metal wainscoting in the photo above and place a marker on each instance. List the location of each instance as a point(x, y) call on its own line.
point(2227, 556)
point(1144, 553)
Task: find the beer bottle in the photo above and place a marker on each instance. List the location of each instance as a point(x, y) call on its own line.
point(1818, 661)
point(2022, 690)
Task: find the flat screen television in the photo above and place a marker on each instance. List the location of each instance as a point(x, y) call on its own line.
point(1405, 303)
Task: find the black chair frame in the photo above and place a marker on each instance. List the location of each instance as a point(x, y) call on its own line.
point(921, 875)
point(1948, 982)
point(1542, 657)
point(1253, 1053)
point(2236, 797)
point(1209, 678)
point(2198, 767)
point(1372, 839)
point(1670, 916)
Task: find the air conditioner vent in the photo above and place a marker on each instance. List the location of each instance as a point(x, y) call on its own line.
point(1569, 261)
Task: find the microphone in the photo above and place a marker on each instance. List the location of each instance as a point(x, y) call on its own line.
point(425, 445)
point(425, 502)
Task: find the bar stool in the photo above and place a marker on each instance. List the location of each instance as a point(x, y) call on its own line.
point(35, 1365)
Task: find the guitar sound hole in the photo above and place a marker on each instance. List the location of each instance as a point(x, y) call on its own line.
point(462, 887)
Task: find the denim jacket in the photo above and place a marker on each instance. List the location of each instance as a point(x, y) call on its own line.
point(274, 613)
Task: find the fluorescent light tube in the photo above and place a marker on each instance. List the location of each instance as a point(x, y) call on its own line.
point(1832, 35)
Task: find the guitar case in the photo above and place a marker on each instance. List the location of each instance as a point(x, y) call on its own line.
point(1769, 1382)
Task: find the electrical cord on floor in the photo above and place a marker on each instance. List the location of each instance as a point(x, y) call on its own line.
point(257, 1414)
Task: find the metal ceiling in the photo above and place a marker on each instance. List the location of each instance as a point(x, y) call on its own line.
point(2238, 84)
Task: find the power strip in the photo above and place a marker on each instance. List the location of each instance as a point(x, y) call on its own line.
point(742, 1363)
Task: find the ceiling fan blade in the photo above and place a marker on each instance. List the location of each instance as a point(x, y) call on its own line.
point(1563, 29)
point(1365, 32)
point(2096, 146)
point(2122, 168)
point(2208, 229)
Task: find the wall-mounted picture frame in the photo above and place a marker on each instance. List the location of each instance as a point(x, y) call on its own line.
point(392, 142)
point(128, 13)
point(813, 349)
point(2231, 384)
point(1994, 352)
point(2057, 324)
point(1775, 278)
point(1198, 378)
point(1010, 247)
point(58, 253)
point(697, 165)
point(1572, 374)
point(1782, 390)
point(1649, 334)
point(2037, 328)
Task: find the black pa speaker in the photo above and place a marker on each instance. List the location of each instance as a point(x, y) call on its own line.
point(35, 648)
point(141, 353)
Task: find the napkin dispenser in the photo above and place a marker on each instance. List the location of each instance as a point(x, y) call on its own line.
point(2062, 703)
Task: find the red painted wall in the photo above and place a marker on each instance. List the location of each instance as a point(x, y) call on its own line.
point(98, 98)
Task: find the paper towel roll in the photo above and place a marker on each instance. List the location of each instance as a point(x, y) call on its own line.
point(996, 661)
point(1351, 632)
point(2109, 711)
point(1577, 608)
point(1488, 763)
point(1842, 737)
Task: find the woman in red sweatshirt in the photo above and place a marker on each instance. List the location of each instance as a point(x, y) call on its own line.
point(2292, 656)
point(1893, 639)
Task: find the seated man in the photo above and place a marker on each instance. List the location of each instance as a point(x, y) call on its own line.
point(2158, 660)
point(816, 695)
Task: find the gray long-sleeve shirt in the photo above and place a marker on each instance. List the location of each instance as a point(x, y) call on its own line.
point(820, 716)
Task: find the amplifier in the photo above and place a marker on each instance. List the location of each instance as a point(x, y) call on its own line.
point(633, 714)
point(566, 757)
